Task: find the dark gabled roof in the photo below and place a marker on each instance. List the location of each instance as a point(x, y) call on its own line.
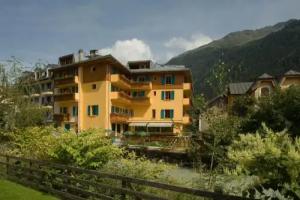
point(239, 88)
point(292, 73)
point(265, 76)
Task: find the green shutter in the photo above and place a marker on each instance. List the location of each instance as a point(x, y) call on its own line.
point(171, 114)
point(173, 80)
point(162, 95)
point(89, 110)
point(162, 114)
point(74, 111)
point(96, 112)
point(172, 95)
point(142, 93)
point(163, 80)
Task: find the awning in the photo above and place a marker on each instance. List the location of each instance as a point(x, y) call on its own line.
point(165, 124)
point(138, 124)
point(152, 124)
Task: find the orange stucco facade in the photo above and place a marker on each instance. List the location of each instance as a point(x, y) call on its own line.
point(103, 93)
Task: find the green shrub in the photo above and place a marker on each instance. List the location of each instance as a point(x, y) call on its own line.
point(32, 142)
point(89, 149)
point(274, 157)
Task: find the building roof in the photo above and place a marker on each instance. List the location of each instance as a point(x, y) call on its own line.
point(292, 73)
point(265, 76)
point(161, 68)
point(239, 88)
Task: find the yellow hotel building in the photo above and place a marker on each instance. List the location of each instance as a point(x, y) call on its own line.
point(97, 91)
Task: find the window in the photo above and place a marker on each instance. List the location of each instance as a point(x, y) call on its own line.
point(49, 86)
point(167, 95)
point(265, 91)
point(167, 114)
point(67, 127)
point(94, 86)
point(113, 127)
point(138, 93)
point(75, 111)
point(93, 69)
point(168, 79)
point(153, 113)
point(154, 93)
point(63, 110)
point(93, 110)
point(141, 79)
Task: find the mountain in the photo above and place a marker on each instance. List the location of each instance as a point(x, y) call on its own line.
point(247, 54)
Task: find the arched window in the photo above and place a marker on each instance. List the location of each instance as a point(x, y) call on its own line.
point(265, 91)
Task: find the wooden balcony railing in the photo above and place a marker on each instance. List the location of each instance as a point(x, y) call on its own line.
point(67, 80)
point(123, 82)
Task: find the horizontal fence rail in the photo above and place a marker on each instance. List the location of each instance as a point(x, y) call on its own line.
point(76, 183)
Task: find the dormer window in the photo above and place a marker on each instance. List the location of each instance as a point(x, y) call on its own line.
point(68, 59)
point(265, 91)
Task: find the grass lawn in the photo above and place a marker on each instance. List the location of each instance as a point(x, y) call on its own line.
point(13, 191)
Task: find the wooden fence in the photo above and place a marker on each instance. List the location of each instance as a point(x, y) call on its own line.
point(76, 183)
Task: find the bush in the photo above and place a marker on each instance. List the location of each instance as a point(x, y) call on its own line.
point(32, 142)
point(89, 149)
point(272, 156)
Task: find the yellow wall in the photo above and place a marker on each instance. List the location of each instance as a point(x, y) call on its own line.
point(288, 81)
point(89, 96)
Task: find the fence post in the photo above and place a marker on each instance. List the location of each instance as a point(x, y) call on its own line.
point(123, 195)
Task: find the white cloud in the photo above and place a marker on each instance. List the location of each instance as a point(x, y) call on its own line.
point(129, 50)
point(184, 44)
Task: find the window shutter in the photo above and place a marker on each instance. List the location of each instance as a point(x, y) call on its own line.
point(89, 110)
point(97, 110)
point(172, 95)
point(171, 114)
point(162, 95)
point(173, 79)
point(163, 81)
point(162, 114)
point(74, 111)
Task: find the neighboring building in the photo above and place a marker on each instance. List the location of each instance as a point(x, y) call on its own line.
point(38, 86)
point(262, 86)
point(97, 91)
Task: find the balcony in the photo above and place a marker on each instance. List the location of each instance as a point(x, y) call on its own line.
point(141, 85)
point(47, 92)
point(61, 117)
point(187, 86)
point(186, 119)
point(66, 97)
point(120, 81)
point(123, 82)
point(186, 102)
point(122, 97)
point(118, 118)
point(66, 80)
point(140, 100)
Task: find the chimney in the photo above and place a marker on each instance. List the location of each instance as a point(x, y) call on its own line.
point(93, 52)
point(80, 55)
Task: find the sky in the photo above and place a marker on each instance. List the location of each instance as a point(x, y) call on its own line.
point(43, 30)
